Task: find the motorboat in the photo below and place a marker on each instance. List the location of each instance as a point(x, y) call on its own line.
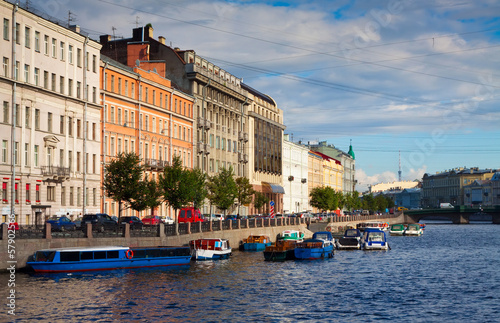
point(350, 240)
point(374, 239)
point(320, 246)
point(210, 249)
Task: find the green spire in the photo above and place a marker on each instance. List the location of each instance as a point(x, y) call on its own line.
point(351, 152)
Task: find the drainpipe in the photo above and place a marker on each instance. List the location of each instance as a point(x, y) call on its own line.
point(104, 146)
point(14, 117)
point(85, 98)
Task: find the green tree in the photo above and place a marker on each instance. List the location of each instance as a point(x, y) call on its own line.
point(380, 202)
point(259, 201)
point(123, 178)
point(352, 200)
point(320, 198)
point(176, 183)
point(222, 189)
point(149, 195)
point(245, 191)
point(197, 181)
point(369, 202)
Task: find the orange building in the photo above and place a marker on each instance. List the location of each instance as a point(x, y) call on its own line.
point(143, 113)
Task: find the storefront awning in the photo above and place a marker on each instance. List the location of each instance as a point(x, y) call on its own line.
point(272, 188)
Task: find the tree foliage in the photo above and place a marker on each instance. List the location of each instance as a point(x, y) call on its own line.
point(260, 200)
point(222, 190)
point(150, 195)
point(123, 179)
point(326, 198)
point(245, 191)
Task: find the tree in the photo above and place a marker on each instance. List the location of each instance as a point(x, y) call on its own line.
point(149, 195)
point(123, 179)
point(369, 202)
point(222, 189)
point(197, 181)
point(259, 200)
point(244, 191)
point(325, 198)
point(380, 202)
point(352, 200)
point(177, 186)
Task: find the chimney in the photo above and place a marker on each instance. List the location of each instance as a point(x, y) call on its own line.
point(161, 39)
point(148, 31)
point(75, 28)
point(104, 39)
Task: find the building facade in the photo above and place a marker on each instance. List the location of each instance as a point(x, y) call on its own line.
point(143, 113)
point(399, 185)
point(315, 173)
point(50, 129)
point(448, 186)
point(295, 175)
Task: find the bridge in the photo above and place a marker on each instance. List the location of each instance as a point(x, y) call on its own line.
point(458, 214)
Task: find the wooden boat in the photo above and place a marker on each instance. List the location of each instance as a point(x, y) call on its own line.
point(107, 258)
point(210, 249)
point(397, 229)
point(373, 224)
point(255, 243)
point(374, 239)
point(350, 240)
point(283, 248)
point(414, 229)
point(319, 247)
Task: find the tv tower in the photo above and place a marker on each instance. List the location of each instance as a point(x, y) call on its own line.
point(399, 171)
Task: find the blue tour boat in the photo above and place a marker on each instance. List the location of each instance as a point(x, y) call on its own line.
point(107, 258)
point(318, 247)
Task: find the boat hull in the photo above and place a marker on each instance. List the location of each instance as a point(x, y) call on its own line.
point(257, 246)
point(375, 246)
point(347, 244)
point(202, 254)
point(279, 255)
point(313, 253)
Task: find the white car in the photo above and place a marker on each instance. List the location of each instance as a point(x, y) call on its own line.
point(167, 220)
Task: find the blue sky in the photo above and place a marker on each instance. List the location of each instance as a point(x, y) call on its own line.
point(417, 77)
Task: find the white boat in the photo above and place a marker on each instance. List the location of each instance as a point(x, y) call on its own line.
point(414, 229)
point(397, 229)
point(373, 224)
point(350, 240)
point(210, 249)
point(374, 239)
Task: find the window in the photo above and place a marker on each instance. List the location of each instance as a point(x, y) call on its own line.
point(61, 125)
point(16, 153)
point(37, 41)
point(6, 29)
point(26, 154)
point(28, 194)
point(51, 193)
point(229, 145)
point(61, 47)
point(94, 63)
point(36, 149)
point(94, 161)
point(70, 160)
point(119, 85)
point(27, 117)
point(6, 66)
point(70, 126)
point(112, 117)
point(16, 71)
point(70, 87)
point(37, 193)
point(26, 73)
point(79, 57)
point(78, 157)
point(217, 142)
point(112, 147)
point(78, 89)
point(5, 151)
point(45, 80)
point(63, 195)
point(37, 76)
point(6, 113)
point(18, 36)
point(78, 128)
point(27, 35)
point(132, 118)
point(54, 48)
point(49, 122)
point(61, 84)
point(94, 132)
point(94, 94)
point(46, 45)
point(112, 83)
point(147, 123)
point(18, 116)
point(53, 82)
point(37, 119)
point(71, 198)
point(70, 54)
point(119, 121)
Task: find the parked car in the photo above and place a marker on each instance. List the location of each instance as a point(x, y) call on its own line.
point(100, 222)
point(135, 222)
point(151, 220)
point(12, 226)
point(217, 217)
point(61, 224)
point(167, 220)
point(78, 222)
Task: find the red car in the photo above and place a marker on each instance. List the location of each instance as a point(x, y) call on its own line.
point(13, 226)
point(151, 220)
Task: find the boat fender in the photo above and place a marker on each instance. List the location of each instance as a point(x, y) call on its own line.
point(129, 254)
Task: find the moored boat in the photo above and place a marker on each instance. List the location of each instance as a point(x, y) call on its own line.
point(320, 246)
point(373, 224)
point(210, 249)
point(374, 239)
point(413, 229)
point(397, 229)
point(293, 235)
point(350, 240)
point(283, 248)
point(255, 243)
point(107, 258)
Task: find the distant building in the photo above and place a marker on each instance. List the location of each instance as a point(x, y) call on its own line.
point(295, 173)
point(400, 185)
point(448, 186)
point(408, 198)
point(479, 192)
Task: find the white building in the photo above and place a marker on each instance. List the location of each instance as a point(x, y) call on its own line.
point(295, 173)
point(48, 71)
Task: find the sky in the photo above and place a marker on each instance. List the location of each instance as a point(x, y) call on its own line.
point(414, 85)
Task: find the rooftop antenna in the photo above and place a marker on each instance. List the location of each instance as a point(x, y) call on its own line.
point(136, 21)
point(70, 17)
point(399, 171)
point(114, 38)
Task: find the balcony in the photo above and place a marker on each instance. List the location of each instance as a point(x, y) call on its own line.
point(201, 147)
point(243, 136)
point(154, 164)
point(208, 124)
point(243, 158)
point(55, 173)
point(201, 122)
point(206, 149)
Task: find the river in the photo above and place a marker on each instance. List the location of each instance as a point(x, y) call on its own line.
point(450, 273)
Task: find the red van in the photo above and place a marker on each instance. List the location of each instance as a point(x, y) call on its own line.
point(190, 214)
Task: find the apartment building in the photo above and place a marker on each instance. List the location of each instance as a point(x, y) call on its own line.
point(50, 131)
point(295, 174)
point(143, 113)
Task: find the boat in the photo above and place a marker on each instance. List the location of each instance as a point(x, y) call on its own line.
point(255, 243)
point(373, 224)
point(414, 229)
point(210, 249)
point(350, 240)
point(397, 229)
point(283, 248)
point(320, 246)
point(78, 259)
point(374, 239)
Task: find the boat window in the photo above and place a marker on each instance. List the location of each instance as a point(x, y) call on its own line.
point(112, 254)
point(70, 256)
point(87, 255)
point(139, 253)
point(45, 256)
point(100, 255)
point(153, 253)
